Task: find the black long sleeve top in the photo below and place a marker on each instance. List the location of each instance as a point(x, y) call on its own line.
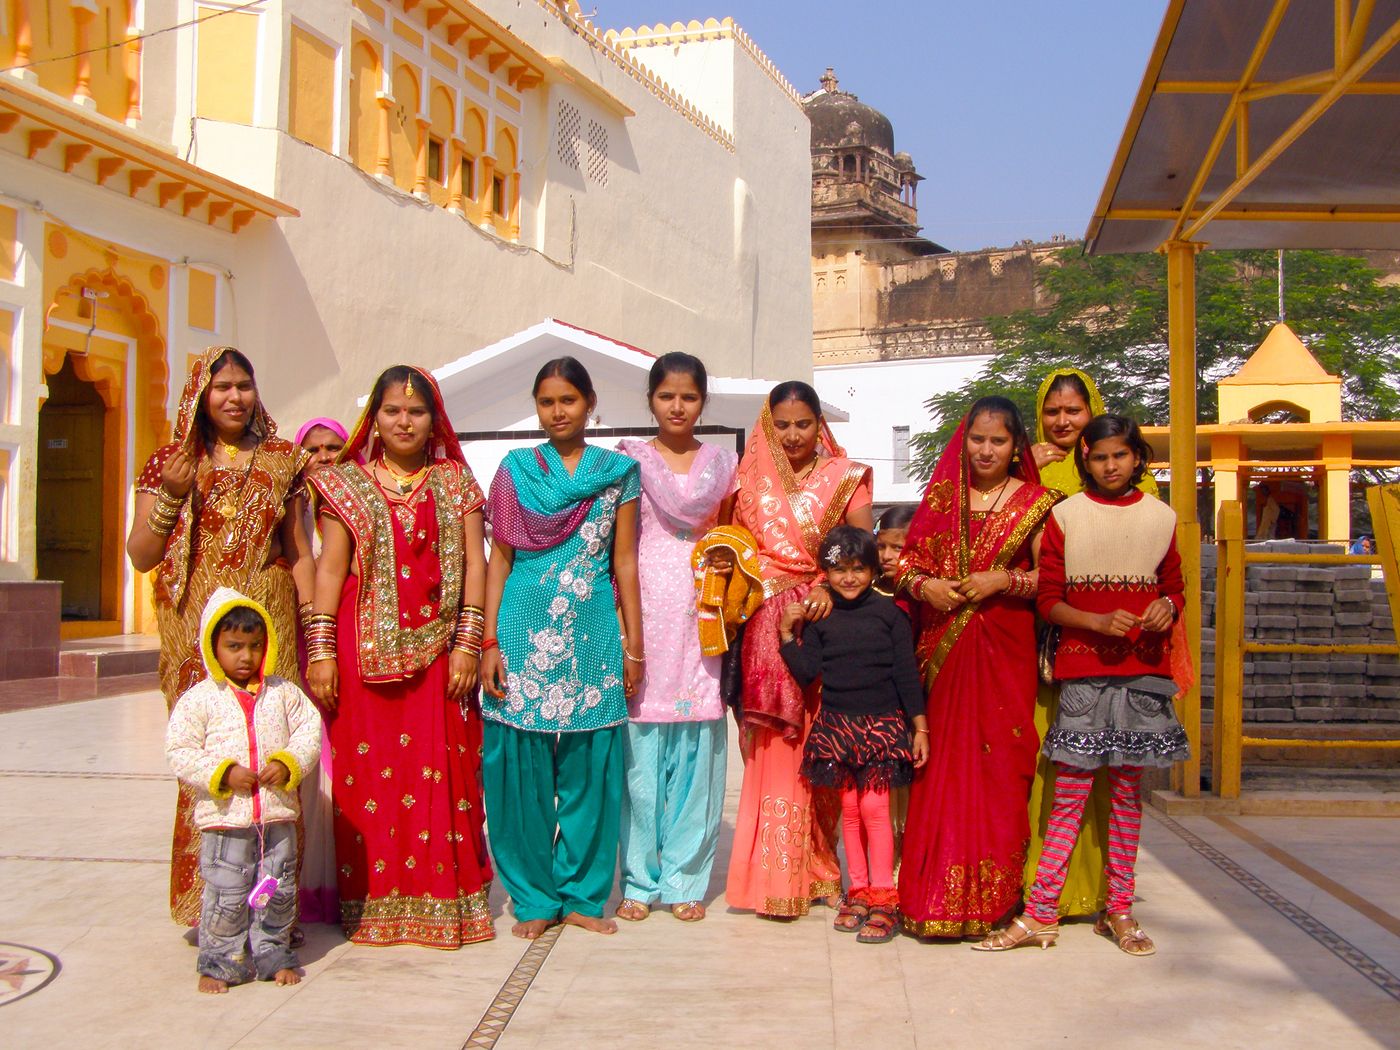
point(864, 654)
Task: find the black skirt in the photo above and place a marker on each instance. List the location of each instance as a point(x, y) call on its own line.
point(868, 752)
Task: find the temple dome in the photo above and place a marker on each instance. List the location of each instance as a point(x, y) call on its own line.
point(840, 119)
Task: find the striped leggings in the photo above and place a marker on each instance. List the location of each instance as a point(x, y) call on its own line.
point(1072, 787)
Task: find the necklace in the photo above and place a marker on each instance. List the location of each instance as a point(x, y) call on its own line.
point(231, 449)
point(988, 495)
point(228, 506)
point(403, 482)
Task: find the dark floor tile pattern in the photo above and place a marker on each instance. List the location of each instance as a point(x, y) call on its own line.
point(1319, 931)
point(493, 1022)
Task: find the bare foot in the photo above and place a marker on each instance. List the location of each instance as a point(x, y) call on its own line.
point(212, 985)
point(286, 976)
point(588, 922)
point(530, 928)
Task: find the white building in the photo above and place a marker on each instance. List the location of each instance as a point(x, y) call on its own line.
point(338, 186)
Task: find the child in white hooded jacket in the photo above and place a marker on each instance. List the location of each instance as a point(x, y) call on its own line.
point(242, 742)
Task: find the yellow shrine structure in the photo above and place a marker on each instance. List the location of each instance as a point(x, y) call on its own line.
point(1315, 446)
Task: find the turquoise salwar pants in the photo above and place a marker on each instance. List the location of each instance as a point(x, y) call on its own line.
point(553, 805)
point(671, 812)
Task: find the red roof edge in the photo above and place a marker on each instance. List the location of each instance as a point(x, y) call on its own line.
point(600, 335)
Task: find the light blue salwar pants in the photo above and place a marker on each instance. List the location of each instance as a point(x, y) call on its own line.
point(671, 811)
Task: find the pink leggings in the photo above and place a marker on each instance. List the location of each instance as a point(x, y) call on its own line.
point(865, 826)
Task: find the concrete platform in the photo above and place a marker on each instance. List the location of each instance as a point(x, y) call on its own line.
point(109, 657)
point(1271, 932)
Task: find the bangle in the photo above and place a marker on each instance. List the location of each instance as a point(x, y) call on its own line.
point(164, 514)
point(490, 643)
point(319, 629)
point(471, 629)
point(918, 731)
point(635, 659)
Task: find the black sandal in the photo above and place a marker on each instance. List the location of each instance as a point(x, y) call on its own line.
point(879, 927)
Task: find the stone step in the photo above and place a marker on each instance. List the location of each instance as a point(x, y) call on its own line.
point(92, 658)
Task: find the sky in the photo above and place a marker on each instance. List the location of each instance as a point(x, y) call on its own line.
point(1011, 109)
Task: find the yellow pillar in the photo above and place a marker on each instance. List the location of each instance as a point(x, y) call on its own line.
point(420, 159)
point(1226, 754)
point(133, 66)
point(1181, 339)
point(486, 179)
point(82, 79)
point(454, 178)
point(1334, 496)
point(24, 41)
point(383, 163)
point(513, 204)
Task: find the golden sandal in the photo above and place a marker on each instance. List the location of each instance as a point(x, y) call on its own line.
point(1005, 939)
point(1124, 931)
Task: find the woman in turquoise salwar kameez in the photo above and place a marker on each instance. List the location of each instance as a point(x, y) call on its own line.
point(555, 669)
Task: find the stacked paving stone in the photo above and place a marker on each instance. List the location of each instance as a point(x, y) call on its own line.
point(1305, 604)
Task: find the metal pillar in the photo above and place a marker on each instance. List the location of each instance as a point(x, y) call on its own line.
point(1181, 340)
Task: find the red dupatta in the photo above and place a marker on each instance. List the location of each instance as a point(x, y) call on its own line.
point(941, 543)
point(410, 553)
point(364, 444)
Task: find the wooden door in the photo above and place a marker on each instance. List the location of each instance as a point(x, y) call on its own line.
point(70, 507)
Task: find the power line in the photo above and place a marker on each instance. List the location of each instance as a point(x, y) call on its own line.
point(141, 36)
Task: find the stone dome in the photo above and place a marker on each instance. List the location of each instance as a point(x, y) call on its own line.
point(840, 119)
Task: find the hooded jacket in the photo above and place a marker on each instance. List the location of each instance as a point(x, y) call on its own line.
point(211, 729)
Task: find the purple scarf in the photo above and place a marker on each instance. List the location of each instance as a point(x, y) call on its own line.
point(686, 503)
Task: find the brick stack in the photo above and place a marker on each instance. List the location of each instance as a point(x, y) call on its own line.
point(1309, 605)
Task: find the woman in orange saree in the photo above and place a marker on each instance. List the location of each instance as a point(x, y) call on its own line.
point(795, 483)
point(219, 506)
point(968, 581)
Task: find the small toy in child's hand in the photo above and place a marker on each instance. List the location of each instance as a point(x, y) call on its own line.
point(262, 893)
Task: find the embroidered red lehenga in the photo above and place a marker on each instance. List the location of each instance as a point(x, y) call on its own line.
point(967, 830)
point(784, 851)
point(410, 845)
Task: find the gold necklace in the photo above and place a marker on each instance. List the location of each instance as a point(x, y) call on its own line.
point(998, 490)
point(231, 449)
point(403, 482)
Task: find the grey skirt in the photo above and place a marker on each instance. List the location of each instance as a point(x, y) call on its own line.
point(1116, 722)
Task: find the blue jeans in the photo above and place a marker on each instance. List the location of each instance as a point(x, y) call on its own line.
point(231, 863)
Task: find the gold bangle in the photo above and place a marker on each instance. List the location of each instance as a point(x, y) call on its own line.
point(634, 659)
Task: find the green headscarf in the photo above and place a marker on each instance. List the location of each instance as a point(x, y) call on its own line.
point(1063, 475)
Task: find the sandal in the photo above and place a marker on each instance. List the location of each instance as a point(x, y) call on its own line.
point(851, 916)
point(1124, 931)
point(690, 911)
point(1005, 939)
point(879, 927)
point(632, 910)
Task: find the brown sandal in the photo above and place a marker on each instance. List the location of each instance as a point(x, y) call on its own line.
point(1124, 931)
point(879, 927)
point(690, 911)
point(851, 916)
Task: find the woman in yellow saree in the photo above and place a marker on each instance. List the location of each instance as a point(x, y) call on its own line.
point(1065, 403)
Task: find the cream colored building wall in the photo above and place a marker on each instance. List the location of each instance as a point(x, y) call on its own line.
point(689, 245)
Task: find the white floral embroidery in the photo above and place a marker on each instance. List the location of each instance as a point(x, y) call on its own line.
point(559, 606)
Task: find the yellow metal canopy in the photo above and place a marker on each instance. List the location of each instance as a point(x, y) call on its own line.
point(1258, 124)
point(1261, 124)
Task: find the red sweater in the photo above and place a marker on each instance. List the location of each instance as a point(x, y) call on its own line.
point(1100, 555)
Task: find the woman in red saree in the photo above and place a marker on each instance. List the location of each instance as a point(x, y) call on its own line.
point(393, 649)
point(795, 483)
point(968, 580)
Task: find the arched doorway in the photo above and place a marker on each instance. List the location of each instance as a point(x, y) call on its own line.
point(101, 338)
point(71, 512)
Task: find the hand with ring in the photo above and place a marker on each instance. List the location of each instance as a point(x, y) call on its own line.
point(817, 605)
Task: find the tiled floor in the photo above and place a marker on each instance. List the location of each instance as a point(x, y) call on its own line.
point(1272, 932)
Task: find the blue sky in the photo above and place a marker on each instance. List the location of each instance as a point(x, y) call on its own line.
point(1011, 109)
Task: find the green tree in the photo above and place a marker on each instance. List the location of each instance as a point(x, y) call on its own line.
point(1107, 315)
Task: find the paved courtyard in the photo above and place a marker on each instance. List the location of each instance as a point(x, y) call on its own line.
point(1272, 932)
